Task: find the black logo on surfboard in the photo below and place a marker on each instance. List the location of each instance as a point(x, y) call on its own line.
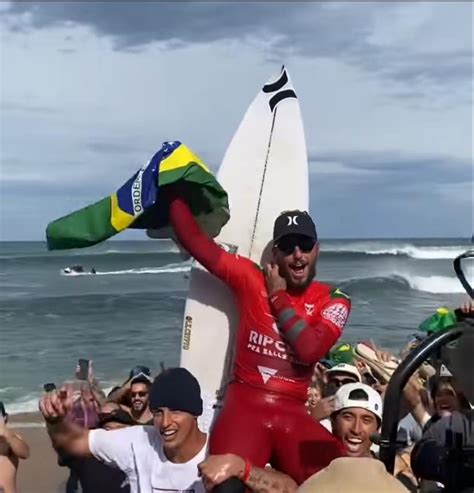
point(282, 94)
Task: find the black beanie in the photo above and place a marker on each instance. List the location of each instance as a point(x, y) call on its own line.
point(178, 390)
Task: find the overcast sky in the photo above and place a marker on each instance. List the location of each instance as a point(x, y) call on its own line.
point(90, 90)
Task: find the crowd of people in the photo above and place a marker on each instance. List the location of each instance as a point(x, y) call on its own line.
point(161, 444)
point(302, 410)
point(345, 395)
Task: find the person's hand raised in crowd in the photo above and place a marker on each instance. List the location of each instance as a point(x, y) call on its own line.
point(55, 405)
point(381, 388)
point(90, 374)
point(382, 355)
point(319, 373)
point(3, 426)
point(468, 306)
point(361, 366)
point(217, 468)
point(323, 409)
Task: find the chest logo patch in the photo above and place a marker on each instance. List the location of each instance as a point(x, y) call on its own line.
point(309, 307)
point(266, 373)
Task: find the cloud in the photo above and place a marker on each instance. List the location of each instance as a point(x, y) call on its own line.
point(372, 194)
point(110, 146)
point(27, 108)
point(371, 79)
point(414, 46)
point(397, 173)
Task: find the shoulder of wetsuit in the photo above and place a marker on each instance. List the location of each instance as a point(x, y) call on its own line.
point(325, 289)
point(337, 293)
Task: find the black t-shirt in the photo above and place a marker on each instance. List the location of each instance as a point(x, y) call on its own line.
point(96, 477)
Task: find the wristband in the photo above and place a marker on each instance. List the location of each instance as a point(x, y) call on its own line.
point(247, 468)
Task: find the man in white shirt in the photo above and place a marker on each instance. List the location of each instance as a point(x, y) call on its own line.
point(163, 457)
point(169, 456)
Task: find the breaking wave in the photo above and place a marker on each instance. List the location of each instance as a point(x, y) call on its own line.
point(416, 252)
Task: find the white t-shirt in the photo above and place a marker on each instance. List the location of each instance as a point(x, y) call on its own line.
point(138, 452)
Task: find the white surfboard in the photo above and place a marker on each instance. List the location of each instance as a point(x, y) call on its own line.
point(264, 171)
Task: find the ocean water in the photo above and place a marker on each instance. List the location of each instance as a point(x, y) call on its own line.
point(131, 311)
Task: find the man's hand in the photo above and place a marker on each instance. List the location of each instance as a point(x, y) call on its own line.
point(16, 445)
point(381, 388)
point(3, 427)
point(468, 306)
point(273, 279)
point(217, 468)
point(90, 374)
point(54, 406)
point(323, 409)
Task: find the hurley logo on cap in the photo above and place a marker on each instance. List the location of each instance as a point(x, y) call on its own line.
point(294, 222)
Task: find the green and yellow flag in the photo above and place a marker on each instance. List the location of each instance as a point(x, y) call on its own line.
point(138, 203)
point(443, 319)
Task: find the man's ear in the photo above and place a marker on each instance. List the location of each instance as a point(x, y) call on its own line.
point(274, 254)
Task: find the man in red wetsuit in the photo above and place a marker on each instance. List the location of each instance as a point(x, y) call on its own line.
point(287, 323)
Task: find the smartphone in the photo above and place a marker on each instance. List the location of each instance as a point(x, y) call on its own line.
point(2, 409)
point(83, 369)
point(49, 387)
point(369, 379)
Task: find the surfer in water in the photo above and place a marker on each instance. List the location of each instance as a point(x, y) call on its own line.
point(287, 323)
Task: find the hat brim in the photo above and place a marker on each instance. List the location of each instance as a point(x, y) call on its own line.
point(293, 233)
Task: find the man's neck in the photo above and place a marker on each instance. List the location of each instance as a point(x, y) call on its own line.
point(189, 449)
point(296, 291)
point(142, 416)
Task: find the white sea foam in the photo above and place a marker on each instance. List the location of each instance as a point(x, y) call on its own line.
point(427, 284)
point(408, 250)
point(166, 269)
point(434, 284)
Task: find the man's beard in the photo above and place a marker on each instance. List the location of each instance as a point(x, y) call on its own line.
point(138, 406)
point(299, 286)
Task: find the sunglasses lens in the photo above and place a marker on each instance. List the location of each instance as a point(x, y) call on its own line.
point(288, 244)
point(306, 244)
point(138, 394)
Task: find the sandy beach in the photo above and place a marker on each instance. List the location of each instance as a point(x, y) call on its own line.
point(40, 473)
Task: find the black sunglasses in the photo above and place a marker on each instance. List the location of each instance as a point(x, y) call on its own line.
point(343, 381)
point(138, 394)
point(287, 244)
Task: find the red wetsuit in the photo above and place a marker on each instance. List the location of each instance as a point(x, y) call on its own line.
point(278, 341)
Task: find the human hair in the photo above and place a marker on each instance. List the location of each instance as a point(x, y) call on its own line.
point(438, 383)
point(293, 212)
point(358, 395)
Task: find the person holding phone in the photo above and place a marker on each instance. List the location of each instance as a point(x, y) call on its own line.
point(12, 449)
point(85, 372)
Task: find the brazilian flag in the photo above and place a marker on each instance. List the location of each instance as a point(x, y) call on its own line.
point(140, 202)
point(443, 319)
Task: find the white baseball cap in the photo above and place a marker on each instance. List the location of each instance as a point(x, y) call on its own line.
point(358, 395)
point(345, 368)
